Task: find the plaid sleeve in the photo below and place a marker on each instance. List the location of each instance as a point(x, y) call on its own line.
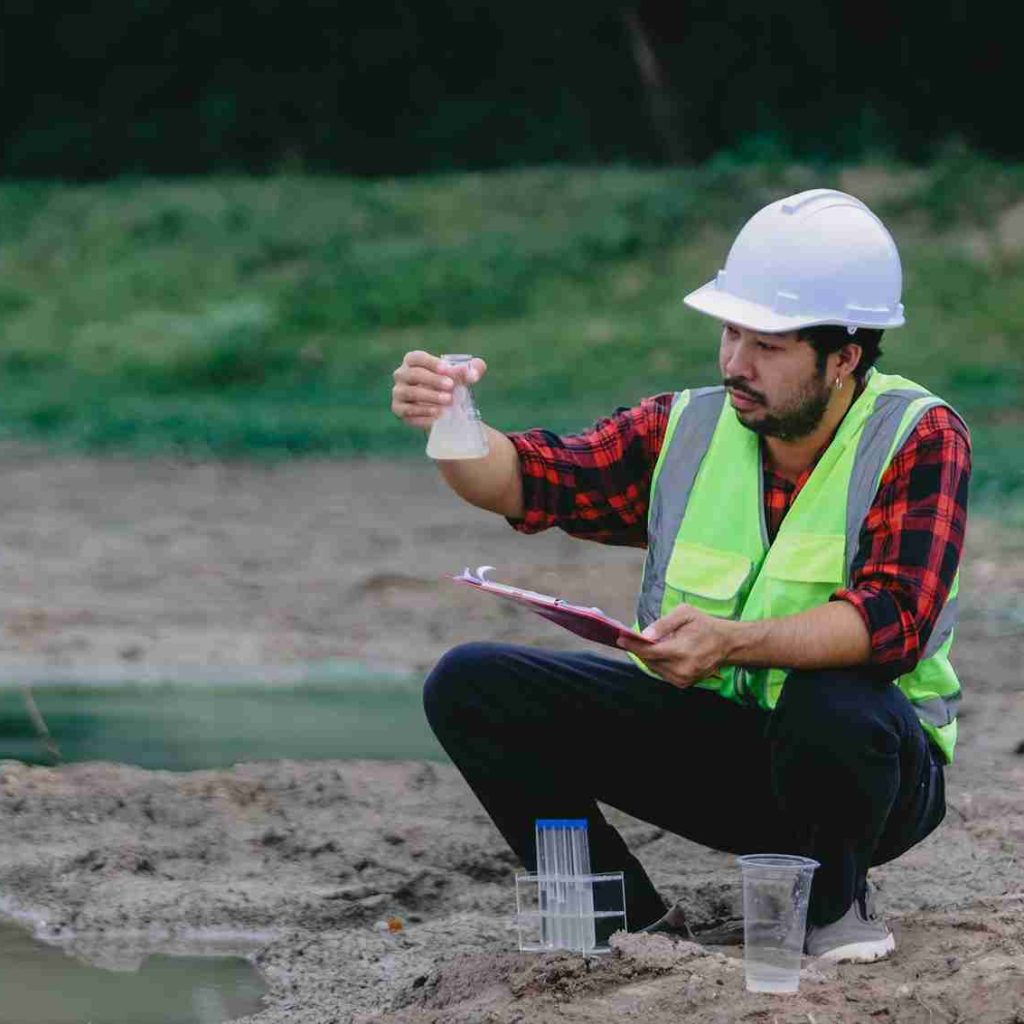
point(911, 541)
point(596, 484)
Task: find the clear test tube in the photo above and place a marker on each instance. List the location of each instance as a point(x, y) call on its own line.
point(565, 889)
point(584, 891)
point(566, 899)
point(548, 831)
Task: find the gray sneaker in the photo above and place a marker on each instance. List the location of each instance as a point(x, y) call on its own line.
point(859, 936)
point(673, 925)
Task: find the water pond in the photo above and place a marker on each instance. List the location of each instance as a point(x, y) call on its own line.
point(41, 984)
point(333, 712)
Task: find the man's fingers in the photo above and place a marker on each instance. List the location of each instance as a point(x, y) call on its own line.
point(418, 394)
point(419, 358)
point(477, 368)
point(679, 616)
point(661, 667)
point(424, 385)
point(422, 368)
point(410, 376)
point(416, 414)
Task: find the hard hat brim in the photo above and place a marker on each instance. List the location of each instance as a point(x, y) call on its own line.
point(751, 315)
point(710, 299)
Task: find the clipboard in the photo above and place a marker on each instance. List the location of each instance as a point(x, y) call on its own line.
point(589, 623)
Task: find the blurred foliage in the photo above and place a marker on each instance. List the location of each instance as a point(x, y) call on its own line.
point(963, 188)
point(264, 316)
point(393, 87)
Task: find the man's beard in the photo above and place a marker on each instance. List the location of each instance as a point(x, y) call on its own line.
point(798, 419)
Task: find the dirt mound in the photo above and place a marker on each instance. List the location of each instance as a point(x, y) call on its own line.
point(380, 892)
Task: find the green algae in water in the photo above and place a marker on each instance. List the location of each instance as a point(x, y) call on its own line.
point(41, 984)
point(184, 725)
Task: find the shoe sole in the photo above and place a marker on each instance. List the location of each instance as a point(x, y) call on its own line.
point(729, 934)
point(861, 952)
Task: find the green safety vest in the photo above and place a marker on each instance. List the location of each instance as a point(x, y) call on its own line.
point(708, 544)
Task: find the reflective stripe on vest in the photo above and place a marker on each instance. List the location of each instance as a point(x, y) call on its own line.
point(702, 408)
point(880, 439)
point(708, 547)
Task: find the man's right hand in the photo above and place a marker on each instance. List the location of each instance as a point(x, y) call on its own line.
point(424, 384)
point(423, 389)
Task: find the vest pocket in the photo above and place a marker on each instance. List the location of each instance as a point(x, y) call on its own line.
point(803, 571)
point(709, 580)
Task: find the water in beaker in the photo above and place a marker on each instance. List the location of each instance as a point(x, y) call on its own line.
point(458, 433)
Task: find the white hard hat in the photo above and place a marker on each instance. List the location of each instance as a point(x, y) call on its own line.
point(819, 257)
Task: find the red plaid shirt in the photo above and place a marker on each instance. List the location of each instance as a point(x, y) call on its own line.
point(596, 484)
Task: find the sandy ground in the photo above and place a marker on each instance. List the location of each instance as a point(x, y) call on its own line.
point(164, 567)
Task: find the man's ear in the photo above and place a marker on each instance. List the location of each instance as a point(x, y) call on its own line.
point(848, 357)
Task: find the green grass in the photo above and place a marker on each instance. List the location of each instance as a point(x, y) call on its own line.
point(264, 317)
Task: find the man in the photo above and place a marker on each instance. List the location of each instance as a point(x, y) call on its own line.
point(803, 523)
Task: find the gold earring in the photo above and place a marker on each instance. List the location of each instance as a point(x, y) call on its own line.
point(838, 384)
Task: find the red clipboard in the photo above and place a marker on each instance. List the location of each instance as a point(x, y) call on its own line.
point(589, 623)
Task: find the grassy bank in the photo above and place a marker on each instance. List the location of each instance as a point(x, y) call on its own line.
point(238, 316)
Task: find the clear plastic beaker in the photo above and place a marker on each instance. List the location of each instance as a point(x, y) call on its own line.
point(458, 433)
point(776, 890)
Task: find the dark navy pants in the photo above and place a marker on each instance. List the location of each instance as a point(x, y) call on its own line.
point(840, 771)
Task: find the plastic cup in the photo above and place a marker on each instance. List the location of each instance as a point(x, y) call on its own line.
point(776, 890)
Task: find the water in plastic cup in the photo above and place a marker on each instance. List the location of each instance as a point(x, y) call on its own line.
point(776, 889)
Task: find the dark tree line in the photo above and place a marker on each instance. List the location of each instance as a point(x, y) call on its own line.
point(400, 86)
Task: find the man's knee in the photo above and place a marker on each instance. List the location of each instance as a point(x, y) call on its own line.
point(838, 712)
point(455, 680)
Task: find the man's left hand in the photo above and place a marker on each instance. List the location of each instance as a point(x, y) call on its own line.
point(688, 646)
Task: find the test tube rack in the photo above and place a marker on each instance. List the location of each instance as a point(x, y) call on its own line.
point(564, 905)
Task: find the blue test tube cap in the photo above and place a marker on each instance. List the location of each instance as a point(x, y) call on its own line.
point(577, 823)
